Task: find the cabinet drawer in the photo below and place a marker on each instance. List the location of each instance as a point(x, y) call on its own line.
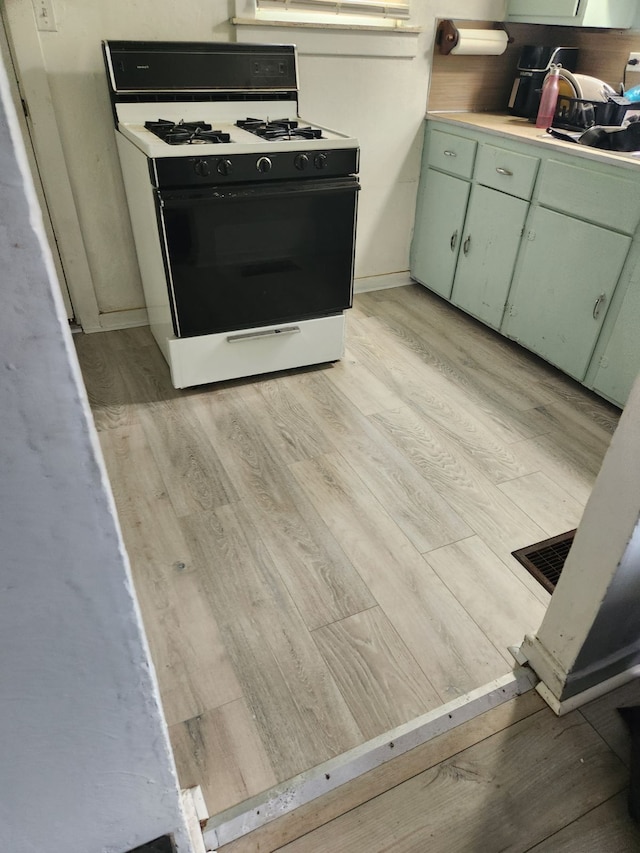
point(592, 195)
point(451, 153)
point(507, 171)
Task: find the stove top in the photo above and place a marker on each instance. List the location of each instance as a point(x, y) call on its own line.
point(281, 128)
point(173, 129)
point(186, 132)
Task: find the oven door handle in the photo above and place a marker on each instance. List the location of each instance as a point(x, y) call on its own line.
point(247, 192)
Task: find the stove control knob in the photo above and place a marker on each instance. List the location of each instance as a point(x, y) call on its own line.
point(320, 161)
point(202, 168)
point(264, 164)
point(224, 167)
point(301, 161)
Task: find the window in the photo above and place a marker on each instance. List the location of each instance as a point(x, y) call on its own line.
point(387, 14)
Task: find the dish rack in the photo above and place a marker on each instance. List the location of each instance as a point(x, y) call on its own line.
point(580, 114)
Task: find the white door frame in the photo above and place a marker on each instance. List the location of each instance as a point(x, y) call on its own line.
point(14, 85)
point(589, 640)
point(19, 23)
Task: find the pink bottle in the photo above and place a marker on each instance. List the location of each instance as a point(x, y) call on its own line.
point(549, 98)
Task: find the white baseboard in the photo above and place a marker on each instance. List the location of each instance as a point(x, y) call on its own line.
point(133, 317)
point(266, 807)
point(561, 707)
point(381, 282)
point(121, 320)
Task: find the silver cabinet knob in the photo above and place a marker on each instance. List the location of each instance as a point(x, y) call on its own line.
point(599, 303)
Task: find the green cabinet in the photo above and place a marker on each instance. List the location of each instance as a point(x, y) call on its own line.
point(489, 246)
point(550, 8)
point(474, 245)
point(616, 363)
point(580, 13)
point(567, 273)
point(440, 214)
point(620, 365)
point(537, 242)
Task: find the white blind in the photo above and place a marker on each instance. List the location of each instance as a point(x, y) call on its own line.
point(364, 8)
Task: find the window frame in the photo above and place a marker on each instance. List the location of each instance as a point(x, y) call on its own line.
point(279, 14)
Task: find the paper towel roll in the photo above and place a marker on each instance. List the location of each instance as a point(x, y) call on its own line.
point(481, 43)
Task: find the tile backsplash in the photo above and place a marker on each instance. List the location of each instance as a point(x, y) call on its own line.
point(483, 83)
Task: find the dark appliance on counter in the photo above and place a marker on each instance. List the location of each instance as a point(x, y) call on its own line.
point(533, 66)
point(243, 214)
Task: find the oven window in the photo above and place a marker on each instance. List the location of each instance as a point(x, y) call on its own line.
point(262, 255)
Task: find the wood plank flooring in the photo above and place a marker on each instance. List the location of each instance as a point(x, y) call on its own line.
point(515, 778)
point(323, 554)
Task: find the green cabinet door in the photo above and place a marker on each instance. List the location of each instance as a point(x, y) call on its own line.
point(440, 212)
point(567, 272)
point(583, 13)
point(552, 8)
point(490, 242)
point(620, 364)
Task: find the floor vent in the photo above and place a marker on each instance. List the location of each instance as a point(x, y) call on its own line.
point(545, 560)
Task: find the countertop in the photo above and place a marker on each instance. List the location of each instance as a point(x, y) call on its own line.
point(512, 127)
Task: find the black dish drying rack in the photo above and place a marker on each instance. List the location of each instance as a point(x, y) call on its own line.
point(581, 114)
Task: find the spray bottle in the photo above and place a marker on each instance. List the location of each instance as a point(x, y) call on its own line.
point(549, 98)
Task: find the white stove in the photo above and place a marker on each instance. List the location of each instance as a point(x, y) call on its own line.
point(243, 213)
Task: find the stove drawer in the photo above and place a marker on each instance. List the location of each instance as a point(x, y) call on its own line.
point(230, 355)
point(451, 153)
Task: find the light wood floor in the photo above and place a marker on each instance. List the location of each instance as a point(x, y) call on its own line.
point(324, 554)
point(515, 779)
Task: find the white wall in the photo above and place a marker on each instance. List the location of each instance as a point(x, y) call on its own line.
point(591, 630)
point(86, 765)
point(354, 93)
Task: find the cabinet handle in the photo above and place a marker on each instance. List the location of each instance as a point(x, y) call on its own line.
point(502, 171)
point(450, 154)
point(599, 303)
point(467, 245)
point(453, 241)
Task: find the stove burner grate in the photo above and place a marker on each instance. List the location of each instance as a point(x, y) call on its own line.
point(281, 128)
point(186, 132)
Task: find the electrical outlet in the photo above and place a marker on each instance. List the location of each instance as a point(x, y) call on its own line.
point(633, 63)
point(45, 19)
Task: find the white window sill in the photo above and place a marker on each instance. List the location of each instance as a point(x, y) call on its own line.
point(323, 25)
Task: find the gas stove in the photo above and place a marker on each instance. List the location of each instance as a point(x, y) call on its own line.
point(233, 131)
point(243, 212)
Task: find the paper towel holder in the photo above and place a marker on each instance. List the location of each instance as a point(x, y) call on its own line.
point(448, 36)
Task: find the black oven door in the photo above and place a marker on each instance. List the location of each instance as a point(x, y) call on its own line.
point(250, 255)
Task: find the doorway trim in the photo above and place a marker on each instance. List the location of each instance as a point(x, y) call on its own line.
point(266, 807)
point(22, 36)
